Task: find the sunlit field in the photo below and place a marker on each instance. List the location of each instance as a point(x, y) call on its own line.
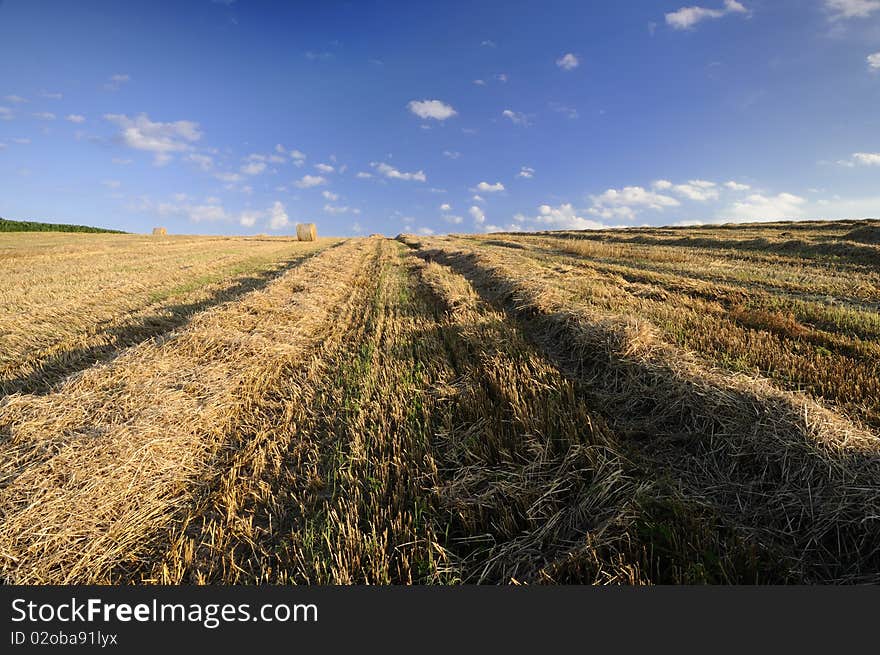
point(642, 406)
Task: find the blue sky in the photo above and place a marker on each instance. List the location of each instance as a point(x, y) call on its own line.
point(244, 117)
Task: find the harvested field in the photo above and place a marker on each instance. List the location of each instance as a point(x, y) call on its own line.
point(646, 406)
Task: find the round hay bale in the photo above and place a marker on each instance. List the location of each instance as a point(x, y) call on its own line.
point(306, 231)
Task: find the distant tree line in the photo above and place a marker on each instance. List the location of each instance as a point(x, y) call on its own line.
point(33, 226)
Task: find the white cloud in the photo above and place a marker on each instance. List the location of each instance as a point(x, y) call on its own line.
point(6, 114)
point(867, 158)
point(490, 188)
point(502, 77)
point(329, 195)
point(228, 177)
point(22, 141)
point(325, 168)
point(515, 117)
point(393, 173)
point(277, 216)
point(205, 162)
point(564, 217)
point(344, 209)
point(161, 139)
point(624, 203)
point(111, 184)
point(435, 109)
point(874, 61)
point(455, 220)
point(480, 82)
point(488, 43)
point(363, 175)
point(117, 81)
point(478, 198)
point(249, 217)
point(203, 213)
point(15, 99)
point(687, 17)
point(75, 118)
point(526, 172)
point(737, 186)
point(851, 8)
point(758, 207)
point(445, 207)
point(698, 190)
point(52, 96)
point(45, 115)
point(451, 154)
point(425, 231)
point(253, 168)
point(308, 181)
point(568, 61)
point(477, 214)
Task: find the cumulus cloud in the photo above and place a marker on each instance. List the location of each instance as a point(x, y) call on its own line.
point(445, 207)
point(309, 181)
point(758, 207)
point(434, 109)
point(625, 202)
point(737, 186)
point(478, 215)
point(564, 217)
point(253, 168)
point(490, 188)
point(517, 118)
point(394, 174)
point(325, 168)
point(249, 217)
point(161, 139)
point(75, 118)
point(526, 172)
point(839, 9)
point(698, 190)
point(687, 17)
point(277, 216)
point(363, 175)
point(451, 154)
point(874, 61)
point(329, 195)
point(568, 61)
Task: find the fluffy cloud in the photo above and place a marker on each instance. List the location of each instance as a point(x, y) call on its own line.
point(329, 195)
point(867, 158)
point(874, 61)
point(451, 154)
point(757, 207)
point(517, 118)
point(736, 186)
point(526, 172)
point(363, 175)
point(478, 215)
point(309, 181)
point(568, 62)
point(75, 118)
point(851, 8)
point(687, 17)
point(445, 207)
point(325, 168)
point(699, 190)
point(249, 217)
point(344, 209)
point(277, 216)
point(564, 217)
point(490, 188)
point(205, 162)
point(161, 139)
point(394, 174)
point(253, 168)
point(435, 109)
point(455, 220)
point(624, 203)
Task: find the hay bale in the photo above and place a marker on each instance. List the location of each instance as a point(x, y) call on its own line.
point(160, 232)
point(306, 231)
